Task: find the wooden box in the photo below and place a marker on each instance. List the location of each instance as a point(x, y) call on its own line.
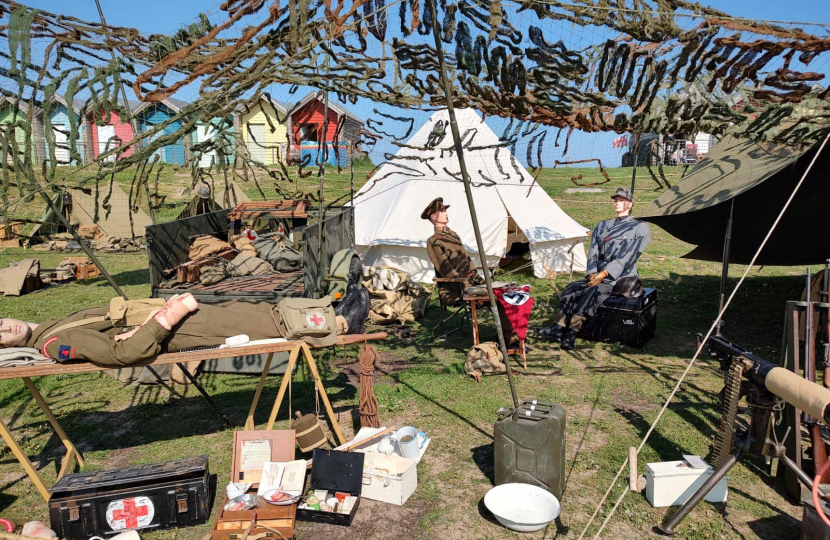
point(9, 232)
point(282, 449)
point(84, 267)
point(231, 525)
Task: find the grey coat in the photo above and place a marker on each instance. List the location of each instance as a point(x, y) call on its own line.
point(616, 244)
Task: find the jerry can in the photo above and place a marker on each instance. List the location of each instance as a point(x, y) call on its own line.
point(529, 446)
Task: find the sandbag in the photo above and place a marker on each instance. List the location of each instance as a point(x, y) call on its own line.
point(276, 249)
point(310, 319)
point(484, 359)
point(408, 301)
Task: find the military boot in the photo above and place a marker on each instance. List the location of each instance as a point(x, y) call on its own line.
point(552, 333)
point(346, 302)
point(357, 311)
point(568, 339)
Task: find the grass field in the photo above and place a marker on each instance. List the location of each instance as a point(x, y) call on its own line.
point(611, 394)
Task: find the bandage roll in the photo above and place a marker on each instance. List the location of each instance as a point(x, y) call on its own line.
point(799, 392)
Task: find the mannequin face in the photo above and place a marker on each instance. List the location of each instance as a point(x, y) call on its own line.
point(622, 206)
point(439, 218)
point(14, 333)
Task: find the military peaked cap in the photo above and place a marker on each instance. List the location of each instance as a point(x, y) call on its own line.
point(623, 192)
point(434, 206)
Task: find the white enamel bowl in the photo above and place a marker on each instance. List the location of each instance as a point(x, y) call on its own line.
point(522, 507)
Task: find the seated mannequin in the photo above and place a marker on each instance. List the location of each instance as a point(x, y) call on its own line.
point(182, 324)
point(450, 258)
point(616, 244)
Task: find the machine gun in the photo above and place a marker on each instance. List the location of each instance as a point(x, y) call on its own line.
point(766, 388)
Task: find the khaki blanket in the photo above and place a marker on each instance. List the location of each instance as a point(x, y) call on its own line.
point(408, 301)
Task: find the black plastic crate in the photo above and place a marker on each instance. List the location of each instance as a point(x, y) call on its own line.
point(630, 321)
point(335, 471)
point(154, 496)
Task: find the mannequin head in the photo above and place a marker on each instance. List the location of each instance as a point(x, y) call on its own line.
point(14, 333)
point(439, 218)
point(622, 206)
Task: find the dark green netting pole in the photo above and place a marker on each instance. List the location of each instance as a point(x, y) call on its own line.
point(459, 149)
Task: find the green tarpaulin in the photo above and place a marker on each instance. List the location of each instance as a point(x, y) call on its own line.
point(759, 177)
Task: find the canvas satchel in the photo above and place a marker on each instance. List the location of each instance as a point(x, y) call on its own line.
point(277, 250)
point(206, 246)
point(133, 312)
point(485, 359)
point(309, 319)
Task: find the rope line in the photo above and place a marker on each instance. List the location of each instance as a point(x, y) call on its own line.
point(694, 358)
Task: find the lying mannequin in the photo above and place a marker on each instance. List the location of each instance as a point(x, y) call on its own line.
point(181, 324)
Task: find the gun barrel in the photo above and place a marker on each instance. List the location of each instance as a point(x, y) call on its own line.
point(807, 396)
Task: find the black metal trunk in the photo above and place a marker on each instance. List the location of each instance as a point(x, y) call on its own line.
point(630, 321)
point(155, 496)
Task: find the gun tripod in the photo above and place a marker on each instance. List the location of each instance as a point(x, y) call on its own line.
point(770, 448)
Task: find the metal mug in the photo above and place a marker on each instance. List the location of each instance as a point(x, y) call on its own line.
point(409, 442)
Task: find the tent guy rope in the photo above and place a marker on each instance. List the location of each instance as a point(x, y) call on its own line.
point(694, 358)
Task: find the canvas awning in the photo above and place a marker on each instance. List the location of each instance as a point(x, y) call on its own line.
point(759, 178)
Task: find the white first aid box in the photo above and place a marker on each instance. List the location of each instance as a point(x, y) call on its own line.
point(671, 483)
point(390, 479)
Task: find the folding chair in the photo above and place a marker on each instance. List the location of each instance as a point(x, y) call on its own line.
point(463, 308)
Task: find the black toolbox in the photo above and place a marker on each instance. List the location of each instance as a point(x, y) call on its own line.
point(630, 321)
point(335, 471)
point(155, 496)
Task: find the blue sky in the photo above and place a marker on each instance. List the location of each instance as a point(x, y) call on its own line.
point(167, 16)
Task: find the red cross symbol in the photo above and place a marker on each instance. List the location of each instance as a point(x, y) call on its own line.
point(316, 319)
point(130, 513)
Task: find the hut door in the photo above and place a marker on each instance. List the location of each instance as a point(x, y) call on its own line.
point(106, 141)
point(256, 142)
point(61, 145)
point(203, 134)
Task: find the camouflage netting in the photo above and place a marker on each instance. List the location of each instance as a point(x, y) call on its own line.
point(631, 66)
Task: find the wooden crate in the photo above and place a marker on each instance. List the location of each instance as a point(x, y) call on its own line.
point(84, 267)
point(231, 525)
point(9, 231)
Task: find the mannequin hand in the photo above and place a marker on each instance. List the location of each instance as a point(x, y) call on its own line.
point(596, 279)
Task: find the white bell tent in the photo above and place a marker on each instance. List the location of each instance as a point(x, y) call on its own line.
point(389, 230)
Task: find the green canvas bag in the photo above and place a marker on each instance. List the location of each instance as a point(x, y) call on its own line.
point(309, 319)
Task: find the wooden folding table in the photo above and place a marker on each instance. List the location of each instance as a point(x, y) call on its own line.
point(73, 455)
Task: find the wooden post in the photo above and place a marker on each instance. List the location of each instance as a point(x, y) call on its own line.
point(71, 452)
point(24, 460)
point(249, 422)
point(632, 471)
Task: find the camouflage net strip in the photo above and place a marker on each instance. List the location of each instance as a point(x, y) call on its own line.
point(653, 66)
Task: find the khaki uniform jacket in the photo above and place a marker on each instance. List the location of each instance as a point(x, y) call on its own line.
point(451, 260)
point(206, 327)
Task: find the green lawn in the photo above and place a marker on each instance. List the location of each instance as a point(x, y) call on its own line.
point(611, 394)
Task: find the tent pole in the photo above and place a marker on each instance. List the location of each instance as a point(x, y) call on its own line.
point(634, 170)
point(459, 150)
point(727, 248)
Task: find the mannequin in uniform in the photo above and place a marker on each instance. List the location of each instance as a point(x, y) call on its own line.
point(181, 324)
point(451, 260)
point(616, 244)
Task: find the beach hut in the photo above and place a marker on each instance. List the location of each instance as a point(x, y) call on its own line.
point(225, 146)
point(12, 114)
point(308, 128)
point(59, 119)
point(149, 116)
point(106, 131)
point(264, 131)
